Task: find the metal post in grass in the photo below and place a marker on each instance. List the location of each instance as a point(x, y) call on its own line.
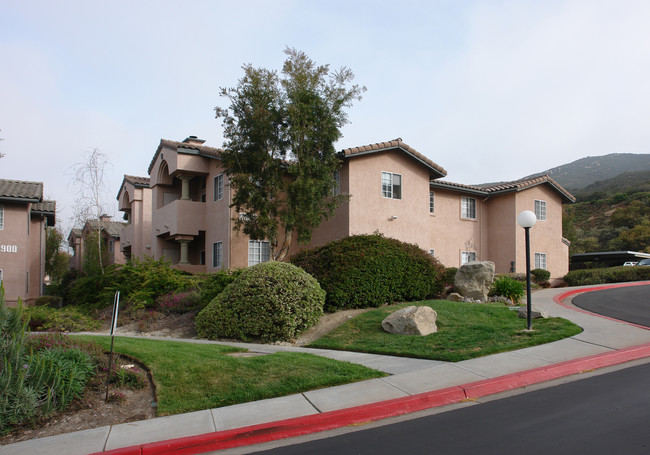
point(527, 220)
point(116, 306)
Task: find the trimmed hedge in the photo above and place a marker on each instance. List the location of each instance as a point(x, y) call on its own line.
point(370, 270)
point(609, 275)
point(272, 301)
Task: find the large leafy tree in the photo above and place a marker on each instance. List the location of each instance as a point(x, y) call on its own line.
point(279, 156)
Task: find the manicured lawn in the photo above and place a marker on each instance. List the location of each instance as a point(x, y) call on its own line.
point(465, 331)
point(191, 377)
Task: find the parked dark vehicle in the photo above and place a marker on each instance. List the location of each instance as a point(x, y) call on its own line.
point(644, 262)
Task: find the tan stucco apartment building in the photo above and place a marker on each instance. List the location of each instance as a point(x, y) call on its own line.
point(393, 189)
point(24, 216)
point(111, 243)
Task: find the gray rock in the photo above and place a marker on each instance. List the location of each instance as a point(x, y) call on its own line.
point(534, 313)
point(473, 280)
point(455, 297)
point(412, 320)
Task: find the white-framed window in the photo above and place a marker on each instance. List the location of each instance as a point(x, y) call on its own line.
point(2, 217)
point(540, 261)
point(0, 276)
point(336, 186)
point(467, 256)
point(391, 185)
point(432, 253)
point(540, 210)
point(432, 202)
point(111, 246)
point(218, 187)
point(468, 208)
point(258, 251)
point(217, 254)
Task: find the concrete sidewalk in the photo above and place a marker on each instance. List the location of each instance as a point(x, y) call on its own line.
point(413, 384)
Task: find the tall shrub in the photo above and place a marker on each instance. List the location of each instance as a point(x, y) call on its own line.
point(370, 270)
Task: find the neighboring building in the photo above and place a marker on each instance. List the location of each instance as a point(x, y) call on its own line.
point(110, 234)
point(134, 199)
point(393, 190)
point(24, 217)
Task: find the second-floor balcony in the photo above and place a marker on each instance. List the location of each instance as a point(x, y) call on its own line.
point(180, 217)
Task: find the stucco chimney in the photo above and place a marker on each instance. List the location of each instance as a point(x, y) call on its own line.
point(194, 140)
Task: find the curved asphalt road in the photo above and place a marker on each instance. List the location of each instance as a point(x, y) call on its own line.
point(630, 304)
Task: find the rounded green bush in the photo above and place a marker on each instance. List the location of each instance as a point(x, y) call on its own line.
point(272, 301)
point(540, 276)
point(370, 270)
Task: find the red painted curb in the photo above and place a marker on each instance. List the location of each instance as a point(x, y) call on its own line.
point(377, 411)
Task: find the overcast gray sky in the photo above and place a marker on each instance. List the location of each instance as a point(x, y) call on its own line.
point(490, 90)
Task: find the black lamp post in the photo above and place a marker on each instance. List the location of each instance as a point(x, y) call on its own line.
point(527, 220)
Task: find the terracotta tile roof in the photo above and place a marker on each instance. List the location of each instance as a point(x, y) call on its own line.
point(437, 170)
point(138, 182)
point(17, 189)
point(47, 208)
point(112, 228)
point(203, 150)
point(507, 187)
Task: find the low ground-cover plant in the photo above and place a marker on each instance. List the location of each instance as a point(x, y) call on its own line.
point(191, 377)
point(272, 301)
point(68, 319)
point(465, 331)
point(607, 275)
point(370, 270)
point(36, 382)
point(179, 302)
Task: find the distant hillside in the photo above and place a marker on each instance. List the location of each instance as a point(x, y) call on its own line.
point(628, 182)
point(579, 174)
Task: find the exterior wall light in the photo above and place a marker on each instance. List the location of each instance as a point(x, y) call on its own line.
point(527, 220)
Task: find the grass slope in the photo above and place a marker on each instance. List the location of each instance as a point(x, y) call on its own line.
point(465, 331)
point(191, 377)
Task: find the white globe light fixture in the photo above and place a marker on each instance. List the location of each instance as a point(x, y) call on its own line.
point(527, 220)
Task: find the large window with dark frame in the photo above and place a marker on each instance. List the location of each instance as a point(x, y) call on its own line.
point(391, 185)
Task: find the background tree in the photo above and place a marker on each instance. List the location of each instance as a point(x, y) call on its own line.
point(279, 147)
point(90, 182)
point(57, 262)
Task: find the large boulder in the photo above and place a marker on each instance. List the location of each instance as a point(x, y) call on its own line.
point(412, 320)
point(474, 279)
